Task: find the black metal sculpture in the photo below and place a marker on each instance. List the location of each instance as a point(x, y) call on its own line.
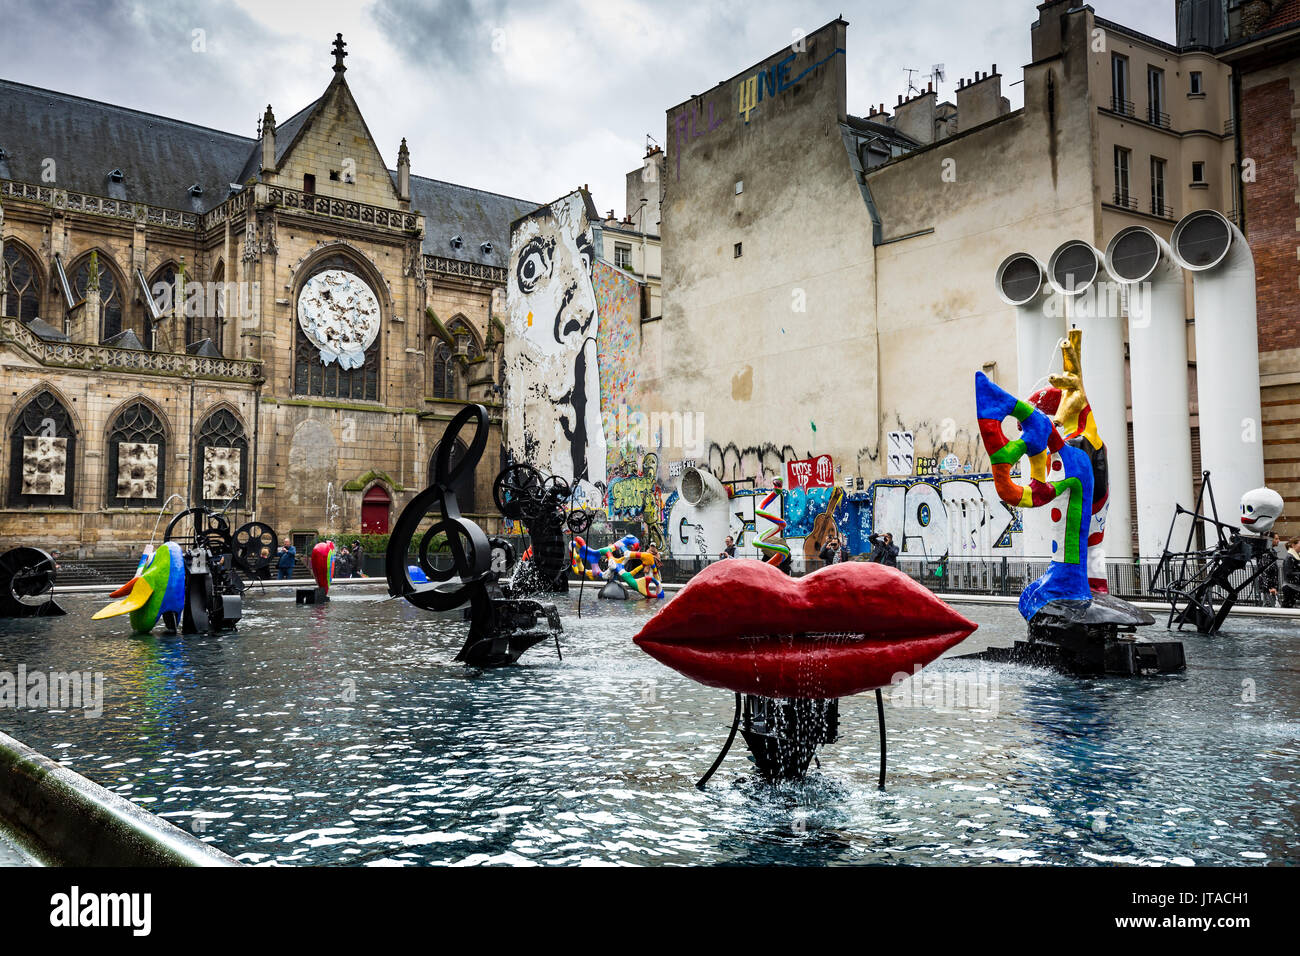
point(27, 584)
point(500, 629)
point(1203, 584)
point(522, 493)
point(218, 567)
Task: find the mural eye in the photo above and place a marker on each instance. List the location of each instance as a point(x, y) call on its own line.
point(534, 262)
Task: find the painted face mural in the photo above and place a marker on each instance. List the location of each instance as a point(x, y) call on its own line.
point(553, 405)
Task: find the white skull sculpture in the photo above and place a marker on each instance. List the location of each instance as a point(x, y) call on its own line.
point(1260, 507)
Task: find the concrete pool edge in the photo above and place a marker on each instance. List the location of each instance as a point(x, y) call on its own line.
point(63, 819)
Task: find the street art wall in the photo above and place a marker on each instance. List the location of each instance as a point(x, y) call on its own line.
point(553, 402)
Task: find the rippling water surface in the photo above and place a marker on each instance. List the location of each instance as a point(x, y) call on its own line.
point(344, 734)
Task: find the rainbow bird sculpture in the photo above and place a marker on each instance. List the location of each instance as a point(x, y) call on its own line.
point(622, 561)
point(157, 588)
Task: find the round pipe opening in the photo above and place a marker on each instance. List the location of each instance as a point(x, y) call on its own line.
point(1073, 268)
point(1201, 239)
point(1133, 254)
point(1019, 278)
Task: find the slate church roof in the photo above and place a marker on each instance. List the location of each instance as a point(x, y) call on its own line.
point(161, 159)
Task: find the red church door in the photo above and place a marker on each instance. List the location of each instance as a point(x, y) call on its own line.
point(374, 511)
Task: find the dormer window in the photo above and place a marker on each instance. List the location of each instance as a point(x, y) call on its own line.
point(196, 191)
point(116, 176)
point(486, 248)
point(3, 154)
point(456, 242)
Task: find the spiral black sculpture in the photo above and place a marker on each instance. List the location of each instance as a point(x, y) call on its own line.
point(500, 630)
point(27, 584)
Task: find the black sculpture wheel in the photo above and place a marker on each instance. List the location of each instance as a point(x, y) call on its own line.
point(26, 584)
point(200, 528)
point(247, 543)
point(517, 491)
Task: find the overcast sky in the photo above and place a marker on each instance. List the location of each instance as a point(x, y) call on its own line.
point(525, 98)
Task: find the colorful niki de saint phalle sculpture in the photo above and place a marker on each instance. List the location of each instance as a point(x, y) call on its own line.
point(623, 566)
point(1074, 624)
point(789, 648)
point(500, 629)
point(321, 563)
point(156, 591)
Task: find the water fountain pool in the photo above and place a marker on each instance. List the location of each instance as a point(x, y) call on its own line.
point(343, 734)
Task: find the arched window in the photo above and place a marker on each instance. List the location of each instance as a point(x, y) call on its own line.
point(137, 458)
point(43, 456)
point(465, 487)
point(111, 314)
point(314, 377)
point(220, 460)
point(446, 376)
point(212, 320)
point(22, 288)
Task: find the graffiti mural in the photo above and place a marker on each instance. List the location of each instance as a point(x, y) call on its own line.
point(553, 369)
point(935, 516)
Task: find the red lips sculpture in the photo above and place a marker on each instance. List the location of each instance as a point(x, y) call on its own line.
point(745, 626)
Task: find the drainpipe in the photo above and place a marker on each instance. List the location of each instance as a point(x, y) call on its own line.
point(1227, 350)
point(1021, 281)
point(1157, 341)
point(1092, 306)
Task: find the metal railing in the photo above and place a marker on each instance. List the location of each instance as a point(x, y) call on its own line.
point(1162, 209)
point(1124, 199)
point(1121, 106)
point(1156, 118)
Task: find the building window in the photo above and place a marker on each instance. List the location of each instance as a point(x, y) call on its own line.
point(1156, 114)
point(308, 182)
point(43, 455)
point(1122, 196)
point(1195, 87)
point(736, 251)
point(1119, 91)
point(110, 299)
point(1198, 173)
point(22, 288)
point(1158, 204)
point(208, 322)
point(446, 377)
point(312, 376)
point(622, 255)
point(220, 460)
point(137, 458)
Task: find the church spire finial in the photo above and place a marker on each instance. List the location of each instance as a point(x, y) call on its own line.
point(339, 53)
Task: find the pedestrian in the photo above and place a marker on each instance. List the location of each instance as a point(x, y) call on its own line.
point(285, 562)
point(1291, 574)
point(729, 551)
point(357, 555)
point(885, 551)
point(343, 564)
point(262, 566)
point(830, 553)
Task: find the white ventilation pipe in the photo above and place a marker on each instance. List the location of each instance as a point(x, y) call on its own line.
point(1227, 352)
point(1157, 341)
point(1092, 306)
point(698, 487)
point(1021, 281)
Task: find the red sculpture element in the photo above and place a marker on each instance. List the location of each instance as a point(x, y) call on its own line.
point(747, 627)
point(322, 564)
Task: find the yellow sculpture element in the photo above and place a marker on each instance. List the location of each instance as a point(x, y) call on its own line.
point(1074, 415)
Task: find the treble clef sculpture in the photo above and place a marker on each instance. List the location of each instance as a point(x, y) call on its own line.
point(500, 629)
